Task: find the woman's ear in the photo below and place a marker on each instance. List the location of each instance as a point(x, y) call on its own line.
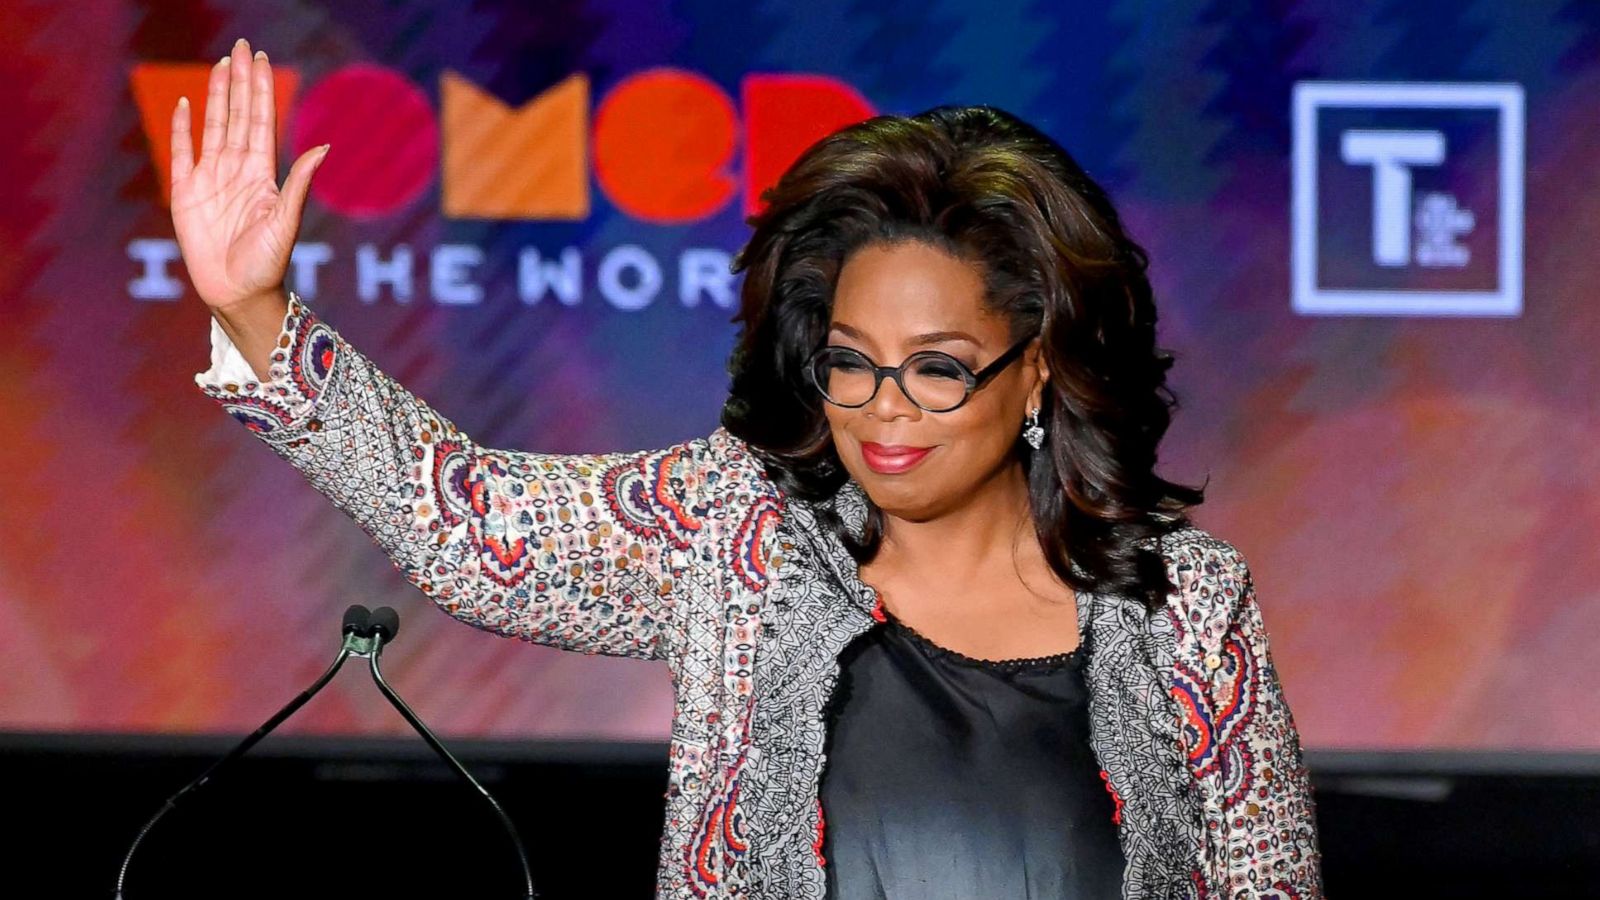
point(1042, 368)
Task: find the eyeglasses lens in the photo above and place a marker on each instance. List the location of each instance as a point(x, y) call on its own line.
point(933, 381)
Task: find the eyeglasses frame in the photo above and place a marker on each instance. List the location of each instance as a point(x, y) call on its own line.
point(974, 380)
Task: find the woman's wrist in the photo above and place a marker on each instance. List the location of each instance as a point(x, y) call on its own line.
point(252, 324)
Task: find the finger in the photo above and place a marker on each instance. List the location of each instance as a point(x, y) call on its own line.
point(182, 142)
point(295, 188)
point(263, 116)
point(238, 95)
point(216, 111)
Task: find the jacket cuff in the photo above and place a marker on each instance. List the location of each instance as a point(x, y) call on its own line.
point(303, 357)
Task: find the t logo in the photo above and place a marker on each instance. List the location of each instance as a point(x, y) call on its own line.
point(1439, 221)
point(1407, 199)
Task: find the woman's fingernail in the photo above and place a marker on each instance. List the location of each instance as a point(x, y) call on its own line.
point(225, 60)
point(261, 54)
point(183, 102)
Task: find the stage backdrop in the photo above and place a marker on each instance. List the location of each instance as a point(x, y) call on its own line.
point(1373, 232)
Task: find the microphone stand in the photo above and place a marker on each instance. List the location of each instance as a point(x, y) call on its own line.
point(365, 634)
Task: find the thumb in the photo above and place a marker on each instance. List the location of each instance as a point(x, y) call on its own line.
point(298, 185)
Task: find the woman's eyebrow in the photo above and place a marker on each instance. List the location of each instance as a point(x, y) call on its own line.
point(921, 340)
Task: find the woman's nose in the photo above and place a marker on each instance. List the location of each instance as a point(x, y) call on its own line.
point(890, 401)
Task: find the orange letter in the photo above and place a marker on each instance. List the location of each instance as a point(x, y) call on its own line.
point(663, 140)
point(525, 163)
point(785, 114)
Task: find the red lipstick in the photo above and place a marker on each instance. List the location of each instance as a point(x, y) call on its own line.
point(892, 459)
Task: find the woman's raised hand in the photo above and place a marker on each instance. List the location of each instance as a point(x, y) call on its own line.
point(235, 228)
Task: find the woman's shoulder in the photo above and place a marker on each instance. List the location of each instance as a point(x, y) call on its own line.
point(1188, 542)
point(732, 465)
point(734, 481)
point(1209, 575)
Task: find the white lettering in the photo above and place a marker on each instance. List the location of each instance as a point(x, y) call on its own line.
point(535, 276)
point(155, 282)
point(449, 271)
point(373, 272)
point(304, 260)
point(621, 258)
point(705, 269)
point(1391, 154)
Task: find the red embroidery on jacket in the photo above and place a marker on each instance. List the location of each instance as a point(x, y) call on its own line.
point(816, 846)
point(702, 878)
point(877, 611)
point(1116, 814)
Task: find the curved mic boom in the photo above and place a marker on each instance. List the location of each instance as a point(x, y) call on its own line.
point(364, 633)
point(385, 624)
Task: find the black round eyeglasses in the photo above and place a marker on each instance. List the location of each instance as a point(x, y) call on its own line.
point(933, 380)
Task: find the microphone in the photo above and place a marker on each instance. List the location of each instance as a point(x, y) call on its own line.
point(355, 620)
point(364, 633)
point(386, 621)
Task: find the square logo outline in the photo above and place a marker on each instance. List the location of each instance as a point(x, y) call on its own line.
point(1306, 298)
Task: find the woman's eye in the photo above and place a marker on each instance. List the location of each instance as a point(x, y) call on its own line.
point(934, 368)
point(849, 365)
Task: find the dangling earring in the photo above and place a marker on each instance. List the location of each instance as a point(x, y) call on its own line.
point(1034, 433)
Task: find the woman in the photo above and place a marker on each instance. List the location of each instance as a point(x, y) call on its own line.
point(936, 629)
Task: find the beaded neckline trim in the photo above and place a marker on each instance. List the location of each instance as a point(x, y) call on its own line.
point(1018, 662)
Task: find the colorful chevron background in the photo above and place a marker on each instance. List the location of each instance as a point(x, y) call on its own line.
point(1418, 496)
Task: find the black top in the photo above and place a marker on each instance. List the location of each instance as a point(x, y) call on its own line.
point(953, 777)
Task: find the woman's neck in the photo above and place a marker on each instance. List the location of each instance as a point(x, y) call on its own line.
point(991, 526)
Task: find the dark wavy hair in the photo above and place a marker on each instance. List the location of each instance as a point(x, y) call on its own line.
point(986, 187)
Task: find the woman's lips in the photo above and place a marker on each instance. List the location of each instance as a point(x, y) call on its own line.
point(892, 459)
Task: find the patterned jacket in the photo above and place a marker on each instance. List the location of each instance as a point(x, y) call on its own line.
point(690, 554)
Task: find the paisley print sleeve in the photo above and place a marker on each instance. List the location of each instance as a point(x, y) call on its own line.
point(1240, 738)
point(581, 552)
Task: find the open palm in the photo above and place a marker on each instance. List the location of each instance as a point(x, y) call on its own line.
point(234, 226)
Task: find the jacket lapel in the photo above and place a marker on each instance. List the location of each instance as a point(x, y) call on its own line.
point(1134, 733)
point(817, 605)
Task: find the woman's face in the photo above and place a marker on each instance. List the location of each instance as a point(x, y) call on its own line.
point(893, 300)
